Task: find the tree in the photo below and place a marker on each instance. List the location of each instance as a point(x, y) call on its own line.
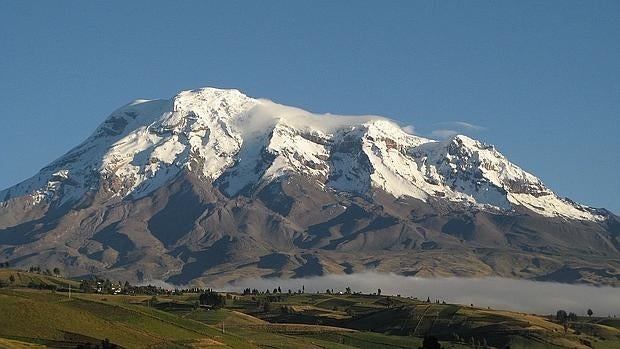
point(430, 342)
point(267, 307)
point(561, 315)
point(107, 286)
point(56, 271)
point(12, 278)
point(456, 337)
point(378, 292)
point(212, 299)
point(106, 344)
point(590, 312)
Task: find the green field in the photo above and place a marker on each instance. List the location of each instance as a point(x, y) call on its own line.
point(25, 279)
point(34, 318)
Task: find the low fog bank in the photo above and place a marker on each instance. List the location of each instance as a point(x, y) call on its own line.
point(499, 293)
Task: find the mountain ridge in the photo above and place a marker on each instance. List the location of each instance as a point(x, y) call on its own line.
point(212, 186)
point(212, 125)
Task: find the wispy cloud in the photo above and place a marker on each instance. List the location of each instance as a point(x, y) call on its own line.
point(410, 129)
point(446, 130)
point(443, 134)
point(462, 125)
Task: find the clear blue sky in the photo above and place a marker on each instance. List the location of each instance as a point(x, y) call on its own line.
point(540, 79)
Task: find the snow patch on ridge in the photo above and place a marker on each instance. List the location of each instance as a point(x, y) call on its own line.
point(239, 143)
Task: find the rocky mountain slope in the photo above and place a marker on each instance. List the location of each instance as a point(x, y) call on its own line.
point(212, 186)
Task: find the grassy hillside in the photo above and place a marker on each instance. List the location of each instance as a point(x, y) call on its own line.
point(24, 279)
point(13, 344)
point(403, 318)
point(48, 318)
point(54, 320)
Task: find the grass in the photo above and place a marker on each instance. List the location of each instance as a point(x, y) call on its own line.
point(52, 319)
point(23, 279)
point(40, 316)
point(402, 318)
point(14, 344)
point(43, 317)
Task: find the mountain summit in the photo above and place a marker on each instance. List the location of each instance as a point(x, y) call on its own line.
point(243, 143)
point(212, 185)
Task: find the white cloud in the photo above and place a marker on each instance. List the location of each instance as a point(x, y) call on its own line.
point(410, 129)
point(447, 130)
point(267, 113)
point(443, 134)
point(461, 125)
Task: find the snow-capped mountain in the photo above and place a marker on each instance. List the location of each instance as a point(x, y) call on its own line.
point(212, 185)
point(242, 143)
